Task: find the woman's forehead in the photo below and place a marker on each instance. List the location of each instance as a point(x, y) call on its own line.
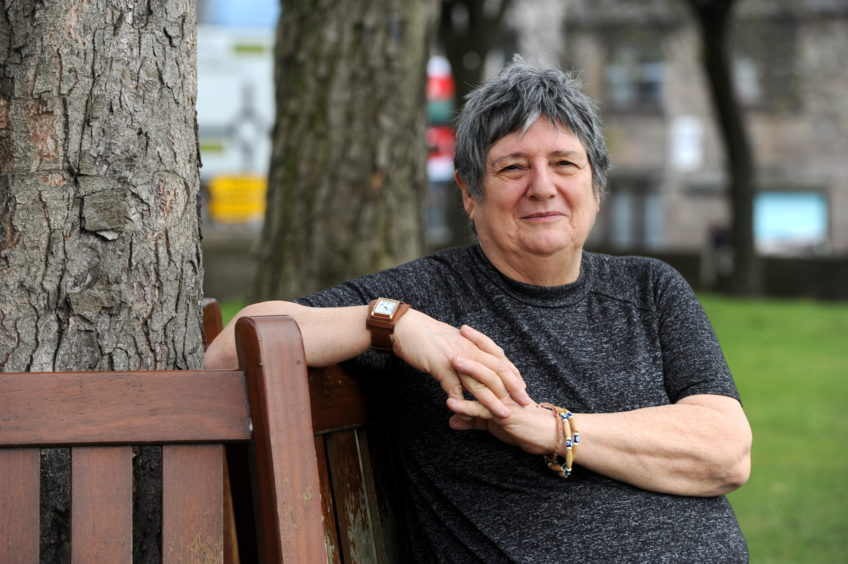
point(543, 135)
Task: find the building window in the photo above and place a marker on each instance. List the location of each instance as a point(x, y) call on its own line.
point(631, 216)
point(634, 72)
point(765, 59)
point(791, 222)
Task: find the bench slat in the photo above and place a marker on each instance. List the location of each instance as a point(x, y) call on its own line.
point(101, 504)
point(285, 447)
point(213, 323)
point(55, 409)
point(357, 533)
point(19, 497)
point(387, 497)
point(192, 503)
point(331, 532)
point(338, 400)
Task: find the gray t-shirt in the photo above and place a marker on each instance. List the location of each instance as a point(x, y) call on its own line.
point(629, 333)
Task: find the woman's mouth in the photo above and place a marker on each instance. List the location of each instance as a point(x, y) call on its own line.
point(544, 215)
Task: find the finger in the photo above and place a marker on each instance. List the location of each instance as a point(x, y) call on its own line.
point(500, 376)
point(465, 423)
point(473, 413)
point(483, 341)
point(483, 384)
point(476, 375)
point(499, 363)
point(450, 383)
point(486, 396)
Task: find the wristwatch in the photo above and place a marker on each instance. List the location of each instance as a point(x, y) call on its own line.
point(382, 316)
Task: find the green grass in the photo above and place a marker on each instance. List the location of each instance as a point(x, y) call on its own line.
point(790, 361)
point(229, 308)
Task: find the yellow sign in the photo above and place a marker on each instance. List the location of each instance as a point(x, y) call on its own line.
point(237, 199)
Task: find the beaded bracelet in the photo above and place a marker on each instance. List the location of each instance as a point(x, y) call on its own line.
point(567, 429)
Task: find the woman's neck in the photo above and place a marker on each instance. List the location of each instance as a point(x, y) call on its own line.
point(548, 270)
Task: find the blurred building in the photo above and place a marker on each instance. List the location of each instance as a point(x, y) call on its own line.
point(235, 114)
point(667, 188)
point(235, 106)
point(640, 60)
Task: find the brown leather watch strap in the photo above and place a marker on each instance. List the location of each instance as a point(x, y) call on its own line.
point(382, 316)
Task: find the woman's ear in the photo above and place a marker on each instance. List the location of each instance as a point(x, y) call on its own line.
point(468, 201)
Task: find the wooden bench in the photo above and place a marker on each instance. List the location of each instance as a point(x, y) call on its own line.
point(352, 462)
point(262, 418)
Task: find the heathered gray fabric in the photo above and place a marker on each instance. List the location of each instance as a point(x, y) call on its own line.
point(628, 334)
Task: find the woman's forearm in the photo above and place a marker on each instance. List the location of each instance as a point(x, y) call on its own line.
point(330, 335)
point(699, 446)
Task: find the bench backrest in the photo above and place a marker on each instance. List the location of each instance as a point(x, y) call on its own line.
point(336, 442)
point(351, 461)
point(355, 467)
point(100, 416)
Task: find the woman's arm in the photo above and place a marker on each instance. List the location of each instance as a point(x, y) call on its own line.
point(330, 335)
point(333, 335)
point(698, 446)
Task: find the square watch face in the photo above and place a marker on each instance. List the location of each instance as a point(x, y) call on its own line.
point(385, 307)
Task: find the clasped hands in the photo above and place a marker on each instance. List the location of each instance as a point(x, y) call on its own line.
point(466, 359)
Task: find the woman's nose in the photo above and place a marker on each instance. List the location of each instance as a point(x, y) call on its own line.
point(541, 184)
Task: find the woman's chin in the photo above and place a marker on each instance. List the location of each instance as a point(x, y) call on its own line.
point(551, 246)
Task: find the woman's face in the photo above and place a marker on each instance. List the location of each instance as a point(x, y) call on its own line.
point(538, 201)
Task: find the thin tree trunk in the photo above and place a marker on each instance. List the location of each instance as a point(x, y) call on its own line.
point(100, 258)
point(467, 40)
point(347, 175)
point(713, 18)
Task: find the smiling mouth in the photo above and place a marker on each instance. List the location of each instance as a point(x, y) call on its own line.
point(543, 215)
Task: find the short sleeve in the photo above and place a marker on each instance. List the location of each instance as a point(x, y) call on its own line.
point(693, 362)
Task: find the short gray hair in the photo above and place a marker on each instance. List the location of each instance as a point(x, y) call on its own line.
point(513, 101)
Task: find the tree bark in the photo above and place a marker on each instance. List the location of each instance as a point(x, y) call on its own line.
point(348, 168)
point(713, 18)
point(100, 257)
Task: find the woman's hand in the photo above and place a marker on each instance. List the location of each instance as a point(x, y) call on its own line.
point(431, 346)
point(529, 427)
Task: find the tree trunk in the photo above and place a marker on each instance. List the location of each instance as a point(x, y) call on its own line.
point(713, 18)
point(468, 29)
point(347, 174)
point(100, 257)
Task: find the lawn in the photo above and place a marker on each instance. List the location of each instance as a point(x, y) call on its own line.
point(790, 361)
point(230, 308)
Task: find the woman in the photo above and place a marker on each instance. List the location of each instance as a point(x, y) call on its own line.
point(621, 342)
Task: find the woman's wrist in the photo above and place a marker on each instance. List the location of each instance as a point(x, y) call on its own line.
point(403, 329)
point(567, 437)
